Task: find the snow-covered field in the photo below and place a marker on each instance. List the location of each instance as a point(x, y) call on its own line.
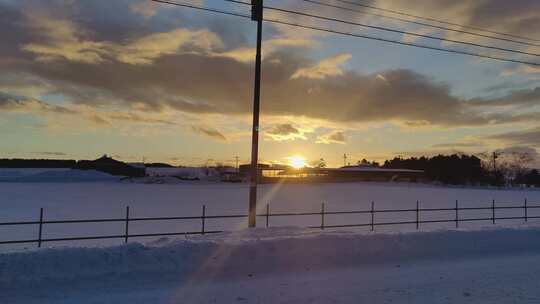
point(108, 199)
point(282, 264)
point(286, 265)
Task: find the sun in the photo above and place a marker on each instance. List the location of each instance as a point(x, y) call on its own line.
point(297, 161)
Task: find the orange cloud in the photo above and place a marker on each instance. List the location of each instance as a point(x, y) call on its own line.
point(336, 137)
point(325, 68)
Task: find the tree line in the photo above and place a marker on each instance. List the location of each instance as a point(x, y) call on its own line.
point(499, 168)
point(493, 169)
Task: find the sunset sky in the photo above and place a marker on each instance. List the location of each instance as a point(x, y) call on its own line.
point(136, 79)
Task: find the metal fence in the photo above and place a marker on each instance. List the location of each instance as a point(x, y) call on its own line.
point(267, 215)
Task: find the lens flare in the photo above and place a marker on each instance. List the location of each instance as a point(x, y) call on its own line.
point(297, 161)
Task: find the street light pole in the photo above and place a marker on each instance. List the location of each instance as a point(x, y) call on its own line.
point(256, 15)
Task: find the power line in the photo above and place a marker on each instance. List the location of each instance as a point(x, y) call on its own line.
point(417, 22)
point(394, 30)
point(238, 2)
point(405, 43)
point(354, 35)
point(421, 23)
point(435, 20)
point(400, 31)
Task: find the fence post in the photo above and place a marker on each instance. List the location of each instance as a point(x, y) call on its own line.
point(417, 215)
point(457, 215)
point(372, 216)
point(493, 212)
point(127, 225)
point(322, 216)
point(267, 214)
point(526, 216)
point(203, 218)
point(40, 227)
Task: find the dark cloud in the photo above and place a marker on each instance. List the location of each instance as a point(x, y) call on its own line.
point(284, 129)
point(519, 150)
point(459, 145)
point(98, 120)
point(284, 132)
point(132, 117)
point(512, 16)
point(9, 102)
point(182, 82)
point(509, 85)
point(336, 137)
point(518, 17)
point(529, 137)
point(13, 33)
point(198, 82)
point(523, 97)
point(210, 132)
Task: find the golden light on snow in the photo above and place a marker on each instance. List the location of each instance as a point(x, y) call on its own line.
point(297, 161)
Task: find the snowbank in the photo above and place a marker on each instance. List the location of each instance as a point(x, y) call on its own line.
point(261, 251)
point(6, 173)
point(57, 176)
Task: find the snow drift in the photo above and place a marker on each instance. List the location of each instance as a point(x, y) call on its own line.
point(56, 176)
point(262, 250)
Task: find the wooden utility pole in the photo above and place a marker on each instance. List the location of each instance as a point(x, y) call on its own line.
point(256, 15)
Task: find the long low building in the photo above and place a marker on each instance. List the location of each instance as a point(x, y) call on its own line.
point(270, 174)
point(368, 173)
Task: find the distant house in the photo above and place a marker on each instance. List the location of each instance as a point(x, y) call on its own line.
point(245, 169)
point(108, 165)
point(230, 175)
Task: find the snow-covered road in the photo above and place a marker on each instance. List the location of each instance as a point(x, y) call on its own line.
point(492, 280)
point(507, 279)
point(286, 265)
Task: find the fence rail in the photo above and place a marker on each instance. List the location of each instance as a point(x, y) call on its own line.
point(267, 215)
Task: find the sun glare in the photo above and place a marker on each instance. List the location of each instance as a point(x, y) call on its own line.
point(297, 161)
